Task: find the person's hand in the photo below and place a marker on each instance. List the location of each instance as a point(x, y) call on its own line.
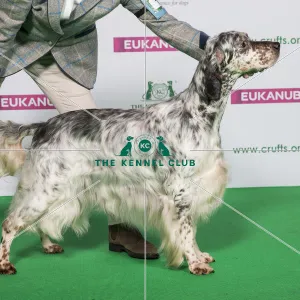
point(1, 80)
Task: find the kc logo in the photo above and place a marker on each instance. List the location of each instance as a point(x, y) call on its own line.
point(145, 145)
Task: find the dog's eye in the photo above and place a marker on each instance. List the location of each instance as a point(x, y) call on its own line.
point(244, 44)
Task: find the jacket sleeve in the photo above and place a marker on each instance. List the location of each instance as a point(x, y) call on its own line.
point(13, 13)
point(178, 34)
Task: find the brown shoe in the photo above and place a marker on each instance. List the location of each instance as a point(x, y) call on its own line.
point(130, 240)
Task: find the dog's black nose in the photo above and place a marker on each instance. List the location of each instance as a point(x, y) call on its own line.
point(276, 45)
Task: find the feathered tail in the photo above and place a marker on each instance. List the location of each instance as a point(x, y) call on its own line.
point(12, 155)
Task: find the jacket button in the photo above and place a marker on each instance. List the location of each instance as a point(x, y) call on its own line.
point(50, 43)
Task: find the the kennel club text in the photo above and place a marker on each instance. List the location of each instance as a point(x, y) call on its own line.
point(145, 163)
point(145, 145)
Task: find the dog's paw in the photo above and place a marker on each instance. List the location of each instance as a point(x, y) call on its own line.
point(7, 268)
point(207, 258)
point(53, 249)
point(199, 268)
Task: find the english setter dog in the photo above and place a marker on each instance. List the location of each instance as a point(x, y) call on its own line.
point(61, 184)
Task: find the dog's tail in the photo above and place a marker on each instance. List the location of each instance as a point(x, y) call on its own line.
point(12, 155)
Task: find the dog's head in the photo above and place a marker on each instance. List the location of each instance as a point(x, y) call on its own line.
point(232, 55)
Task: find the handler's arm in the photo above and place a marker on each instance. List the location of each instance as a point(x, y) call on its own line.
point(178, 34)
point(13, 13)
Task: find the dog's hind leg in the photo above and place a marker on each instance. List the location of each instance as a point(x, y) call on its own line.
point(25, 210)
point(12, 225)
point(48, 246)
point(9, 231)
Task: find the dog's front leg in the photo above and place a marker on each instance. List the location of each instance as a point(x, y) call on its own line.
point(180, 229)
point(197, 264)
point(203, 256)
point(48, 246)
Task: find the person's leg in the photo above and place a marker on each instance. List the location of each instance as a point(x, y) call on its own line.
point(123, 238)
point(63, 92)
point(67, 95)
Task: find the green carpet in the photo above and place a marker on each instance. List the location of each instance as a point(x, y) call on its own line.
point(249, 263)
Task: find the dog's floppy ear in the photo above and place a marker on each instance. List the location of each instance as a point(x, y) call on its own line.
point(213, 77)
point(219, 55)
point(213, 87)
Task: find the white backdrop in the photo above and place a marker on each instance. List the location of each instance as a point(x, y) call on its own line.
point(122, 77)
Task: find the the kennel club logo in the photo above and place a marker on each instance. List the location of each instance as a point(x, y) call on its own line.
point(159, 91)
point(145, 146)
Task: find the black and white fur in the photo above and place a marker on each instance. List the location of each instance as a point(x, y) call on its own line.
point(174, 201)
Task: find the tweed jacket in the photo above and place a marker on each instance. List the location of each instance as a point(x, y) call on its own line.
point(31, 28)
